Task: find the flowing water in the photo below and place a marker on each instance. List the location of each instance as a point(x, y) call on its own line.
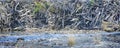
point(45, 40)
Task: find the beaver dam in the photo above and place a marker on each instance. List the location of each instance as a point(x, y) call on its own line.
point(59, 23)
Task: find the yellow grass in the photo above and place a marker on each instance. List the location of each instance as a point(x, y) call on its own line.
point(71, 41)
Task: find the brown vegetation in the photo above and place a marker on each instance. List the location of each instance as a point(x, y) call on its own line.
point(109, 27)
point(71, 41)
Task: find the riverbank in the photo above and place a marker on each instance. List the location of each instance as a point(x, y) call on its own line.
point(37, 30)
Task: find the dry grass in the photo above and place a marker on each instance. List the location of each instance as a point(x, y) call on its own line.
point(71, 41)
point(97, 39)
point(105, 26)
point(30, 31)
point(63, 31)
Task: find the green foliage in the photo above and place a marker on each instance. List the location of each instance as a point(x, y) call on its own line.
point(38, 6)
point(41, 6)
point(47, 4)
point(52, 9)
point(92, 2)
